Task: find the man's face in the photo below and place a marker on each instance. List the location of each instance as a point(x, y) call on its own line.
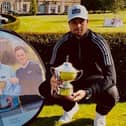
point(21, 56)
point(78, 26)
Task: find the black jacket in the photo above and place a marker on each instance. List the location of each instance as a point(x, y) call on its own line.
point(91, 54)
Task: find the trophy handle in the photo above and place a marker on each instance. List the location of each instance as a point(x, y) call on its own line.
point(80, 74)
point(56, 73)
point(52, 70)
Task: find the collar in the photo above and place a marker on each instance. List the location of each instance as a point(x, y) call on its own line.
point(24, 66)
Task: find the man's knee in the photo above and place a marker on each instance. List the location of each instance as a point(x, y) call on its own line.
point(44, 89)
point(108, 101)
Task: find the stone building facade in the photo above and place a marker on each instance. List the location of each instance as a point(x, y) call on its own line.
point(44, 6)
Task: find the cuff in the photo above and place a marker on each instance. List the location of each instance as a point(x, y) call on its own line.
point(88, 93)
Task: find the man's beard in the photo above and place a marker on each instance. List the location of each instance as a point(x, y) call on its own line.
point(77, 36)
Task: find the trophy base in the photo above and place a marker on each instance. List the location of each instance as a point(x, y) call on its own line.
point(65, 92)
point(65, 89)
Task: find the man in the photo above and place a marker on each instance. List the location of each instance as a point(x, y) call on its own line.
point(90, 52)
point(29, 74)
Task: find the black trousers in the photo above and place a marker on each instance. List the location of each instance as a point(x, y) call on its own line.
point(105, 101)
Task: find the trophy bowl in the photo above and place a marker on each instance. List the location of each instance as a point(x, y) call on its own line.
point(68, 76)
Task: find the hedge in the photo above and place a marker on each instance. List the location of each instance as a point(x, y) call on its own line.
point(12, 24)
point(43, 44)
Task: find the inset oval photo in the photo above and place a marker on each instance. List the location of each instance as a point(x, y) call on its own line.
point(21, 73)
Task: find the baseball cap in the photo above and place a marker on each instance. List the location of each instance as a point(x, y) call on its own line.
point(77, 11)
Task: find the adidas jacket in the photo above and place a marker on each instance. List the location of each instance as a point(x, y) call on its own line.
point(91, 54)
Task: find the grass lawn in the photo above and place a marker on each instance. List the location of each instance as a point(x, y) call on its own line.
point(43, 24)
point(58, 23)
point(84, 117)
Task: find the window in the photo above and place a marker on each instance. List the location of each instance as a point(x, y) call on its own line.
point(5, 7)
point(24, 7)
point(58, 8)
point(66, 9)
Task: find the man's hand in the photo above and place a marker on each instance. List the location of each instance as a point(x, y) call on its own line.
point(80, 94)
point(14, 80)
point(54, 85)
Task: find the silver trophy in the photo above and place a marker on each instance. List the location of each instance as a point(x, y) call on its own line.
point(66, 73)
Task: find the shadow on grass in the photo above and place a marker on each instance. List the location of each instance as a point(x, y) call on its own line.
point(51, 121)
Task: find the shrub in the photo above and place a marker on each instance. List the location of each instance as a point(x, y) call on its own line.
point(13, 23)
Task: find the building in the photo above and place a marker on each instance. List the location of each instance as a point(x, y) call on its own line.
point(44, 6)
point(55, 6)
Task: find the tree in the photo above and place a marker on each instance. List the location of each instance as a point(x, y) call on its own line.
point(90, 4)
point(117, 5)
point(113, 5)
point(33, 7)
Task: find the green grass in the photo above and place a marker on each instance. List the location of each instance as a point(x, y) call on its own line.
point(84, 117)
point(43, 24)
point(58, 23)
